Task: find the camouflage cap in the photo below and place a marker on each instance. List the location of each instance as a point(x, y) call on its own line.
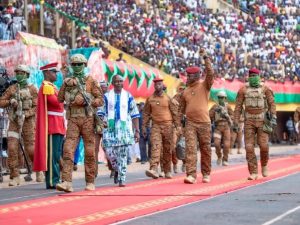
point(222, 94)
point(22, 68)
point(78, 58)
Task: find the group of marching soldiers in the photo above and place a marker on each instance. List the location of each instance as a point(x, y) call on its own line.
point(80, 95)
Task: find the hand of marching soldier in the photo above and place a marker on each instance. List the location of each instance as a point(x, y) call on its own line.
point(202, 53)
point(79, 100)
point(144, 132)
point(179, 131)
point(235, 127)
point(137, 136)
point(14, 103)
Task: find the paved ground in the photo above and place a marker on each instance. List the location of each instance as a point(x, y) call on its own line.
point(253, 205)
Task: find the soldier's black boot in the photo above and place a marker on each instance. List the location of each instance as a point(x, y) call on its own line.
point(116, 177)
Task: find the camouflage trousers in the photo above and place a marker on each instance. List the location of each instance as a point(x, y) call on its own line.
point(237, 137)
point(117, 155)
point(173, 152)
point(253, 128)
point(80, 126)
point(161, 142)
point(13, 141)
point(197, 133)
point(222, 132)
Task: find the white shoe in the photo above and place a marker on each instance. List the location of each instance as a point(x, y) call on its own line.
point(206, 179)
point(65, 186)
point(15, 181)
point(90, 187)
point(264, 171)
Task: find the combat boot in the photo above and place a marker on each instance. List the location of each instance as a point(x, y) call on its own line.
point(219, 161)
point(39, 177)
point(65, 186)
point(253, 176)
point(168, 175)
point(161, 174)
point(206, 179)
point(175, 168)
point(190, 180)
point(15, 181)
point(90, 187)
point(152, 173)
point(225, 163)
point(264, 171)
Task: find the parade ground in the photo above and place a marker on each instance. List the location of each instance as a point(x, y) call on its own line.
point(229, 199)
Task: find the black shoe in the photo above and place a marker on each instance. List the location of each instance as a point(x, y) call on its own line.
point(51, 187)
point(121, 184)
point(116, 177)
point(112, 174)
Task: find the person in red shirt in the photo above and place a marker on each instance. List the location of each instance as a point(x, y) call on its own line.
point(50, 128)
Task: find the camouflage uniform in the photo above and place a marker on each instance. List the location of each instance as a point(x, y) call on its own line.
point(161, 111)
point(21, 121)
point(194, 104)
point(81, 122)
point(177, 134)
point(221, 116)
point(257, 101)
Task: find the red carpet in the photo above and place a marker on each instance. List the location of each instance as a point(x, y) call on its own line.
point(112, 204)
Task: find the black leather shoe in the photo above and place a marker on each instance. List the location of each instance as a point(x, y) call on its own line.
point(121, 184)
point(116, 177)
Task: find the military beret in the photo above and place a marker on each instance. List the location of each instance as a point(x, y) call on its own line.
point(254, 70)
point(50, 66)
point(157, 79)
point(193, 70)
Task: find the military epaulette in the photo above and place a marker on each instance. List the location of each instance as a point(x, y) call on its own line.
point(48, 89)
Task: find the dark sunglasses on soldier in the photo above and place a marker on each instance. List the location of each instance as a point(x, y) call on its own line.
point(77, 64)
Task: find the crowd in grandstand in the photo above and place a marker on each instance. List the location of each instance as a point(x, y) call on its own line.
point(168, 36)
point(11, 20)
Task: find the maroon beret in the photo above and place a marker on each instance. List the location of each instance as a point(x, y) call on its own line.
point(254, 71)
point(193, 70)
point(157, 79)
point(51, 66)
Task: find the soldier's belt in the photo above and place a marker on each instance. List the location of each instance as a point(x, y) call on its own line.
point(52, 113)
point(77, 112)
point(222, 123)
point(259, 116)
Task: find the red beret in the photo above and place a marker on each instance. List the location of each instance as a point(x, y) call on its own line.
point(157, 79)
point(193, 70)
point(254, 70)
point(50, 66)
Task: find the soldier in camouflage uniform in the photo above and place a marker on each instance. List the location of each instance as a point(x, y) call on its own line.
point(260, 116)
point(221, 114)
point(160, 110)
point(178, 133)
point(82, 95)
point(22, 100)
point(194, 104)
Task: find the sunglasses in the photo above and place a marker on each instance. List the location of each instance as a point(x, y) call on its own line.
point(77, 64)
